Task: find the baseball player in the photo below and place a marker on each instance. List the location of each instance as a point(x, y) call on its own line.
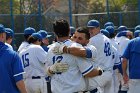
point(45, 40)
point(82, 36)
point(105, 32)
point(104, 48)
point(108, 24)
point(9, 37)
point(71, 81)
point(11, 71)
point(116, 59)
point(27, 32)
point(33, 58)
point(132, 54)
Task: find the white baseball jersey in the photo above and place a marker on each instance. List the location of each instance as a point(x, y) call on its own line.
point(104, 48)
point(114, 43)
point(72, 80)
point(33, 59)
point(22, 46)
point(92, 52)
point(122, 42)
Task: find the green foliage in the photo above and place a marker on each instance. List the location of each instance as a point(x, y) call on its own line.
point(5, 6)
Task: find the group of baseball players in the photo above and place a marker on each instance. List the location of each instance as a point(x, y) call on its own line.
point(83, 60)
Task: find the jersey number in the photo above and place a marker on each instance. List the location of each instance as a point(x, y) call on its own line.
point(25, 60)
point(57, 59)
point(107, 49)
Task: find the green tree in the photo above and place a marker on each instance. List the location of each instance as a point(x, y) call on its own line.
point(5, 6)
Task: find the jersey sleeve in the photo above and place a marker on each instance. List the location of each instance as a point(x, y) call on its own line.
point(17, 68)
point(41, 54)
point(84, 66)
point(91, 52)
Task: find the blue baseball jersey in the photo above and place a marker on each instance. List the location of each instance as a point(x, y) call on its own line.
point(132, 53)
point(10, 70)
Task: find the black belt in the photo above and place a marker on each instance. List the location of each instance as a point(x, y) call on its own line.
point(81, 92)
point(36, 77)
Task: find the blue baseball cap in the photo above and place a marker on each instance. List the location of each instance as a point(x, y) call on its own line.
point(44, 34)
point(29, 31)
point(137, 27)
point(2, 29)
point(110, 29)
point(105, 32)
point(108, 24)
point(93, 23)
point(37, 35)
point(137, 33)
point(9, 32)
point(122, 28)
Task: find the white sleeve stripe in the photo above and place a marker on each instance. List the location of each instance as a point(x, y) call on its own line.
point(117, 63)
point(88, 70)
point(19, 74)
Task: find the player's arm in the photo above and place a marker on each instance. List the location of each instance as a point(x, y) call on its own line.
point(95, 72)
point(124, 68)
point(18, 73)
point(125, 59)
point(76, 51)
point(21, 86)
point(87, 69)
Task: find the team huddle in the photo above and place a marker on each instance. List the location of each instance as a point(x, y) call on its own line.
point(89, 60)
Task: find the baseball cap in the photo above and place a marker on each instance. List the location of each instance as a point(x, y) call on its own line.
point(122, 28)
point(9, 32)
point(108, 24)
point(137, 27)
point(44, 34)
point(105, 32)
point(2, 29)
point(110, 29)
point(137, 33)
point(93, 23)
point(29, 31)
point(37, 35)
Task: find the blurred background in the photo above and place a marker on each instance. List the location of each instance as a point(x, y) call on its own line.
point(40, 14)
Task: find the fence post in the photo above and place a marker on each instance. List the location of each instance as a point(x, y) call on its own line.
point(70, 12)
point(39, 14)
point(11, 14)
point(107, 10)
point(139, 9)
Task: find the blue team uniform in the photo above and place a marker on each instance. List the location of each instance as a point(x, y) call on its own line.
point(132, 53)
point(10, 70)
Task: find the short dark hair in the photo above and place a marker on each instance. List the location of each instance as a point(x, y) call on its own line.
point(85, 31)
point(61, 28)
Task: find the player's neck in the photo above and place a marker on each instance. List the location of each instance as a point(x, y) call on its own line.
point(61, 39)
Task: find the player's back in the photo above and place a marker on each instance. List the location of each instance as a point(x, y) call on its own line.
point(33, 59)
point(71, 80)
point(122, 42)
point(104, 49)
point(22, 46)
